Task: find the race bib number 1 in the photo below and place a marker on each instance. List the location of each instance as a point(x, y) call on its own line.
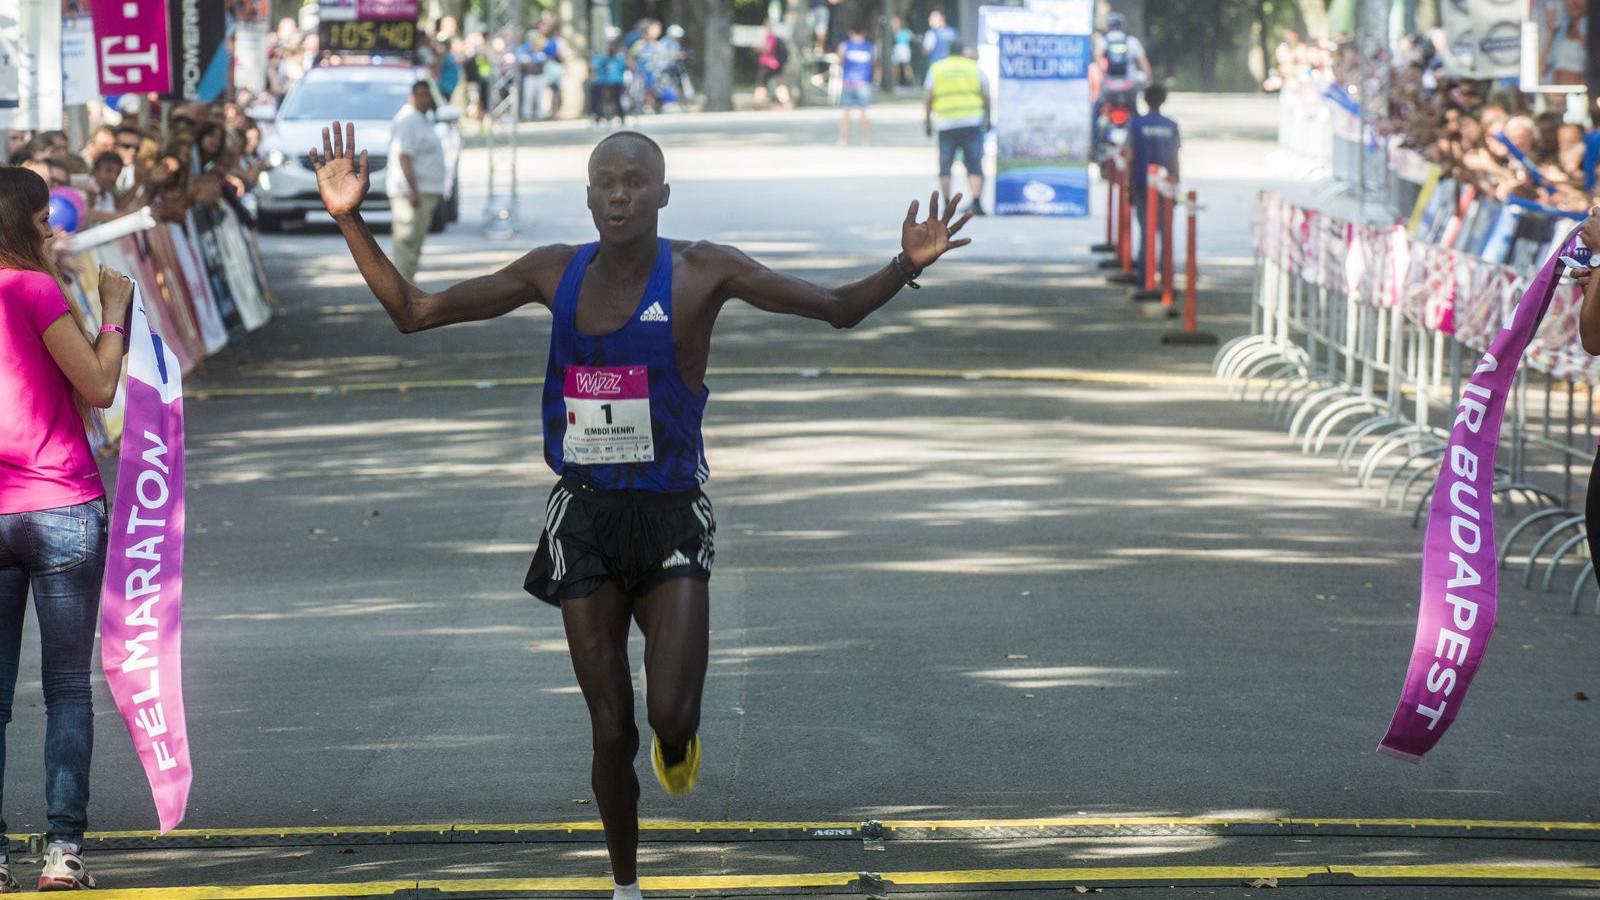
point(608, 416)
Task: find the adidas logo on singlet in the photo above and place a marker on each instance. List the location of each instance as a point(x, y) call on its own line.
point(654, 314)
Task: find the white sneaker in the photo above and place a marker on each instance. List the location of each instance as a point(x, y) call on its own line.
point(8, 884)
point(64, 870)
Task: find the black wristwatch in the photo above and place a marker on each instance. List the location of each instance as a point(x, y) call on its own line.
point(902, 267)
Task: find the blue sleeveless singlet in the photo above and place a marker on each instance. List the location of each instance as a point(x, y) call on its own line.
point(617, 414)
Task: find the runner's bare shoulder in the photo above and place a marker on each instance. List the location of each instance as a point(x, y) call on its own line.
point(541, 269)
point(715, 263)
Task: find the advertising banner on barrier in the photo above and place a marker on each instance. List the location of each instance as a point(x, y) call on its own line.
point(30, 65)
point(132, 43)
point(80, 84)
point(1555, 45)
point(1042, 125)
point(1460, 566)
point(201, 58)
point(1483, 38)
point(141, 611)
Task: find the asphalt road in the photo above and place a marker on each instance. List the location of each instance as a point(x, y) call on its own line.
point(1103, 590)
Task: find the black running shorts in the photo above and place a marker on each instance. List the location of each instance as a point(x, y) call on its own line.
point(637, 539)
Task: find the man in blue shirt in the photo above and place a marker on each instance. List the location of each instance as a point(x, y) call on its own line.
point(936, 42)
point(610, 75)
point(1591, 148)
point(530, 66)
point(858, 59)
point(1155, 141)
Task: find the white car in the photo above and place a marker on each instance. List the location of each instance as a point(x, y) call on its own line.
point(369, 96)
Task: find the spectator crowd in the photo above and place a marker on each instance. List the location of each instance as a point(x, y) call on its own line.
point(1486, 134)
point(204, 154)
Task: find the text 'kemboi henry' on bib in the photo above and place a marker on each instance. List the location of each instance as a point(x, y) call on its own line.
point(608, 416)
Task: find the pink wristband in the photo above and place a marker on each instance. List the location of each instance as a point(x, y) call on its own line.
point(118, 329)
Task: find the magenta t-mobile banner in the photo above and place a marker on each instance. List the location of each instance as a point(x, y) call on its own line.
point(1459, 565)
point(142, 601)
point(131, 40)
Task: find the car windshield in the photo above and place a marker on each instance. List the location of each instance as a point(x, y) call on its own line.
point(328, 98)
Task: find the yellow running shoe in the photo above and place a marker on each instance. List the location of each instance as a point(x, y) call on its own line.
point(679, 779)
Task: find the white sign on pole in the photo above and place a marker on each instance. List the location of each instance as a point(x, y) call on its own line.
point(30, 65)
point(80, 77)
point(250, 56)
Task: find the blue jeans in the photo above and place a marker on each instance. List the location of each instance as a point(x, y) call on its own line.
point(967, 140)
point(62, 554)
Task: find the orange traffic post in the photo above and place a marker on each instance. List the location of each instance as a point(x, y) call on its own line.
point(1169, 201)
point(1125, 214)
point(1110, 243)
point(1151, 237)
point(1189, 336)
point(1116, 186)
point(1125, 274)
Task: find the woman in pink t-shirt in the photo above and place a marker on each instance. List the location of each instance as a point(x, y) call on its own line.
point(52, 504)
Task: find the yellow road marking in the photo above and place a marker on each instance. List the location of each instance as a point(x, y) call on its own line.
point(1158, 874)
point(761, 826)
point(1456, 872)
point(259, 891)
point(1074, 376)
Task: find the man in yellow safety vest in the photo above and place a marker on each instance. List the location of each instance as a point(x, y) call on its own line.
point(957, 107)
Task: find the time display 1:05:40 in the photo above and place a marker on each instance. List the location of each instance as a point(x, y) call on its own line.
point(372, 35)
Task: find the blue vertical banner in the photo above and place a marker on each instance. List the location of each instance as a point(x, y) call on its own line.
point(1042, 126)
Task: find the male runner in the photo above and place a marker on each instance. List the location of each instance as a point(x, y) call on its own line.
point(628, 534)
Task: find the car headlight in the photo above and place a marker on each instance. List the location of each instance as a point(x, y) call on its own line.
point(276, 158)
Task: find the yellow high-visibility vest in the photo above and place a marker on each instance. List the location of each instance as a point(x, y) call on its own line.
point(957, 89)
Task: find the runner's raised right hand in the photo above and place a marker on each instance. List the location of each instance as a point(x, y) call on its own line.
point(342, 178)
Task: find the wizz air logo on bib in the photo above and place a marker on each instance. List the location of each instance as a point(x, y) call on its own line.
point(607, 383)
point(598, 382)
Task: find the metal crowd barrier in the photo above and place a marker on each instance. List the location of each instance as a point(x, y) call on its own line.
point(1361, 336)
point(203, 281)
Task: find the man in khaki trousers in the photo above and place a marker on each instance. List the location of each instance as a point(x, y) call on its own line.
point(414, 178)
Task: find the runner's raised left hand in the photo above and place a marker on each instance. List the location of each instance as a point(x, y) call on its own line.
point(924, 242)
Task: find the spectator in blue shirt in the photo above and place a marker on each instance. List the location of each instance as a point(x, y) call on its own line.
point(1155, 141)
point(530, 65)
point(1591, 148)
point(610, 74)
point(936, 41)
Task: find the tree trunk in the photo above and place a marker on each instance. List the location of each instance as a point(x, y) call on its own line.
point(1315, 14)
point(887, 75)
point(718, 53)
point(691, 15)
point(1264, 39)
point(794, 30)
